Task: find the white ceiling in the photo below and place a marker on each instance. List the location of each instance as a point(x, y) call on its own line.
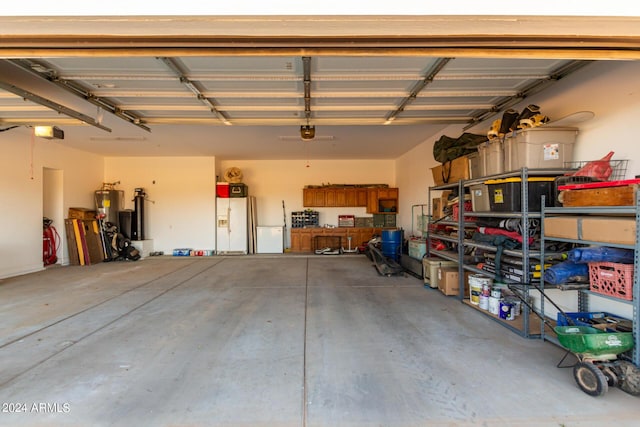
point(244, 97)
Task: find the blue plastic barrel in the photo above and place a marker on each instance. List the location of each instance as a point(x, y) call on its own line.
point(392, 244)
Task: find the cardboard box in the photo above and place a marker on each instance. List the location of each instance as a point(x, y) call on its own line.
point(448, 281)
point(609, 229)
point(564, 227)
point(82, 213)
point(452, 171)
point(603, 229)
point(438, 204)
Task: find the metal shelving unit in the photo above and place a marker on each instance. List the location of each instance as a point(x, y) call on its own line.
point(584, 295)
point(523, 325)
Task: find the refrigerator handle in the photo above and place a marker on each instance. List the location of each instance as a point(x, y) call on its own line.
point(229, 219)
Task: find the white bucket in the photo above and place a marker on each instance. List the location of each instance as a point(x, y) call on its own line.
point(478, 285)
point(494, 305)
point(484, 302)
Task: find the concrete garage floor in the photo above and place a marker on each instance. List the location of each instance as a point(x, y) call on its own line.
point(271, 341)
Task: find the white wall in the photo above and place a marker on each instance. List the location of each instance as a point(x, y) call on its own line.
point(272, 181)
point(414, 178)
point(21, 194)
point(180, 210)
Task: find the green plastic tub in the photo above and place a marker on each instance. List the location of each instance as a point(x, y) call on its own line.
point(592, 342)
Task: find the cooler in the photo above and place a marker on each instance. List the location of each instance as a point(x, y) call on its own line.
point(417, 248)
point(430, 266)
point(222, 190)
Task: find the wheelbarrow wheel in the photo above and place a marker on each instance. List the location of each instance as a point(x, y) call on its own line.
point(590, 379)
point(630, 377)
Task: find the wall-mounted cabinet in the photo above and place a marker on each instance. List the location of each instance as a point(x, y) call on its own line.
point(324, 197)
point(383, 200)
point(313, 197)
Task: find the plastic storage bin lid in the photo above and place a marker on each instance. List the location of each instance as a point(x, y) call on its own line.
point(508, 180)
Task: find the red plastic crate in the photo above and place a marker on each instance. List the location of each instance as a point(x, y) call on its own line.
point(612, 279)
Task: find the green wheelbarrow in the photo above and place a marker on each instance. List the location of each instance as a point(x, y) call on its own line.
point(598, 366)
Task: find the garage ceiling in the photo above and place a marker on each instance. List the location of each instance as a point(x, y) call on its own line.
point(242, 100)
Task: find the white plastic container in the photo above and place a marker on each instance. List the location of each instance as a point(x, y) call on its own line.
point(417, 248)
point(475, 168)
point(540, 148)
point(430, 266)
point(480, 201)
point(476, 284)
point(491, 158)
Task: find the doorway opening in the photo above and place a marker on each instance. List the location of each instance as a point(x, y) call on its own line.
point(52, 209)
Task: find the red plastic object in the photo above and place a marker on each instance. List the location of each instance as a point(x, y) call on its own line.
point(467, 208)
point(50, 240)
point(222, 190)
point(612, 279)
point(599, 169)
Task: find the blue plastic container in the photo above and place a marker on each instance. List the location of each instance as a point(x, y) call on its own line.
point(392, 244)
point(582, 319)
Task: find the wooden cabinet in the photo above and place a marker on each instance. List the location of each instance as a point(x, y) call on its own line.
point(301, 239)
point(382, 200)
point(313, 197)
point(341, 197)
point(304, 239)
point(335, 197)
point(387, 193)
point(361, 197)
point(372, 200)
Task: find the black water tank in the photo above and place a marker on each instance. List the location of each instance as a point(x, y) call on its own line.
point(138, 228)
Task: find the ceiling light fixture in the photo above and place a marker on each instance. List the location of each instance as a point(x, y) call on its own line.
point(48, 132)
point(307, 132)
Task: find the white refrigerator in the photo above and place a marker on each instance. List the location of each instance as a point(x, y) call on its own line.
point(232, 221)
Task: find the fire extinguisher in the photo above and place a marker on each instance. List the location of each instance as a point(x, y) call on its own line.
point(50, 242)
